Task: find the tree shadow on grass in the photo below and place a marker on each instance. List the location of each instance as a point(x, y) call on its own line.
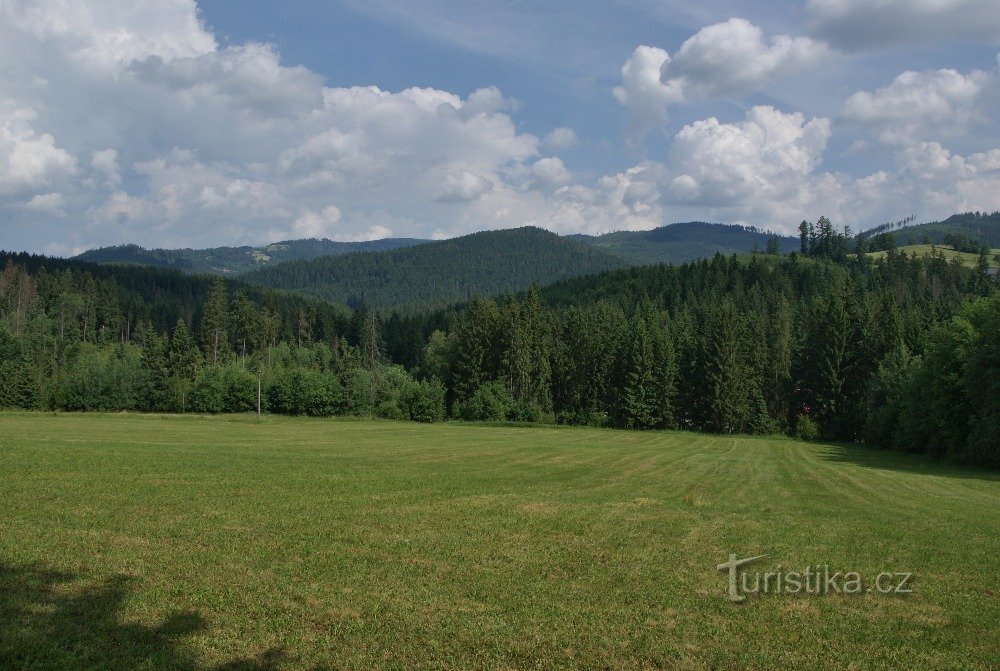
point(49, 622)
point(871, 457)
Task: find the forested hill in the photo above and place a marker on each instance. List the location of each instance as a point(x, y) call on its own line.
point(108, 302)
point(674, 243)
point(901, 352)
point(681, 242)
point(237, 260)
point(980, 228)
point(441, 273)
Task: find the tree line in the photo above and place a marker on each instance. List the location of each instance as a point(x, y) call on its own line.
point(73, 341)
point(900, 352)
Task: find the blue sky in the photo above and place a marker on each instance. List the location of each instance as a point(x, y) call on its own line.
point(174, 124)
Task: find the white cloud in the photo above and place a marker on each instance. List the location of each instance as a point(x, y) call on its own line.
point(719, 60)
point(47, 203)
point(856, 24)
point(761, 159)
point(560, 139)
point(112, 31)
point(463, 186)
point(29, 160)
point(105, 162)
point(643, 93)
point(733, 57)
point(549, 172)
point(188, 143)
point(316, 224)
point(920, 105)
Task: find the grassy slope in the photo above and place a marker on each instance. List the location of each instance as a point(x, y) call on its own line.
point(968, 259)
point(146, 542)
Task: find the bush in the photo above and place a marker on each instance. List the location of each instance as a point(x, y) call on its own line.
point(806, 428)
point(208, 393)
point(241, 390)
point(490, 403)
point(107, 378)
point(423, 401)
point(296, 391)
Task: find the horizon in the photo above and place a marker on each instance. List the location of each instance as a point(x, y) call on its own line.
point(485, 230)
point(200, 125)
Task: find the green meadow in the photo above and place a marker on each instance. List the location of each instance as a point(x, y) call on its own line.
point(151, 542)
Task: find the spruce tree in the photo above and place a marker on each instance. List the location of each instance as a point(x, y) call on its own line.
point(214, 322)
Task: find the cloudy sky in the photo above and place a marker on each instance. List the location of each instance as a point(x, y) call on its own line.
point(174, 123)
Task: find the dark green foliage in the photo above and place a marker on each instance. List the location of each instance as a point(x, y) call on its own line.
point(689, 241)
point(901, 351)
point(806, 428)
point(109, 378)
point(300, 391)
point(237, 260)
point(423, 401)
point(441, 273)
point(491, 402)
point(947, 402)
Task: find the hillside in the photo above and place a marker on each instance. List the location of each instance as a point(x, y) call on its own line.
point(682, 242)
point(441, 273)
point(980, 227)
point(237, 260)
point(109, 298)
point(968, 259)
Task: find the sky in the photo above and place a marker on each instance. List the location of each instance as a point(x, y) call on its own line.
point(171, 123)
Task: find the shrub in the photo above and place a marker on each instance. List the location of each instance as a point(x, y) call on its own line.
point(491, 402)
point(806, 428)
point(423, 401)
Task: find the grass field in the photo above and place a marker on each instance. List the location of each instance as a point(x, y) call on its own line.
point(969, 260)
point(141, 542)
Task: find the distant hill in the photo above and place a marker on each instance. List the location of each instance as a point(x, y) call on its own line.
point(441, 273)
point(237, 260)
point(158, 296)
point(682, 242)
point(981, 227)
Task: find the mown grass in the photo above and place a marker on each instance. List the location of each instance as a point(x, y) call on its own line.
point(142, 542)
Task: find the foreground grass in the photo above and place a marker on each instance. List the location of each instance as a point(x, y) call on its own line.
point(142, 542)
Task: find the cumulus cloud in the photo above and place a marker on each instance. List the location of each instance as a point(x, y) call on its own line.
point(766, 170)
point(762, 157)
point(643, 93)
point(316, 224)
point(857, 24)
point(29, 160)
point(919, 105)
point(186, 142)
point(549, 172)
point(463, 186)
point(560, 139)
point(734, 57)
point(723, 59)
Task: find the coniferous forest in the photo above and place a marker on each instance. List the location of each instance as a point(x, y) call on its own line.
point(899, 352)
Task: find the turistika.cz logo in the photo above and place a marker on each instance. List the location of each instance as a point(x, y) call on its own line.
point(811, 580)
